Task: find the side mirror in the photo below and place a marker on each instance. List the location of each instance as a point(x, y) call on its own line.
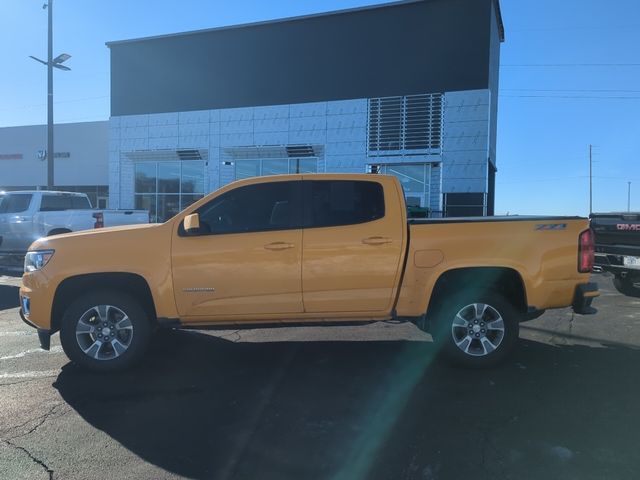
point(191, 223)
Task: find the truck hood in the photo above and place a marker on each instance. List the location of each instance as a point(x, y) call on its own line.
point(97, 236)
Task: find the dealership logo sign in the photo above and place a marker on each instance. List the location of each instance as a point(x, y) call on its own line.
point(42, 155)
point(10, 156)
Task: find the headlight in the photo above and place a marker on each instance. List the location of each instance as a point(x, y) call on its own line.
point(36, 260)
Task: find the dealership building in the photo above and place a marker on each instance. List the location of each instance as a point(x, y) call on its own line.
point(408, 88)
point(80, 161)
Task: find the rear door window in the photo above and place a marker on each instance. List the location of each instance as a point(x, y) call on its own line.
point(15, 202)
point(330, 203)
point(56, 203)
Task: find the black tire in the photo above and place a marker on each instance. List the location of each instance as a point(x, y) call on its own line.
point(479, 353)
point(109, 355)
point(625, 286)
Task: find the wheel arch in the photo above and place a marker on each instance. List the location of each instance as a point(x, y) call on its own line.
point(129, 283)
point(504, 280)
point(58, 231)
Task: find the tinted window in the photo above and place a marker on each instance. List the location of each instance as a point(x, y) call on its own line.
point(343, 202)
point(53, 203)
point(254, 208)
point(14, 203)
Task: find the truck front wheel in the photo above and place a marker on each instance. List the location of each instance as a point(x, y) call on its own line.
point(105, 331)
point(476, 330)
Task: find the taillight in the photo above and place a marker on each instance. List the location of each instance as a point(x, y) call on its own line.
point(586, 250)
point(99, 216)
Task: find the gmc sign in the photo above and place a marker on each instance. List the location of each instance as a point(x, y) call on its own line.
point(629, 226)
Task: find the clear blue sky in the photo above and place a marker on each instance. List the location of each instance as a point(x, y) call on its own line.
point(543, 136)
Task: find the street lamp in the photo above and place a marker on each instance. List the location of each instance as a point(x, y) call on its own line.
point(51, 63)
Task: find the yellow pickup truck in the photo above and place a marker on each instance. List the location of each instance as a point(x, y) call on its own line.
point(305, 249)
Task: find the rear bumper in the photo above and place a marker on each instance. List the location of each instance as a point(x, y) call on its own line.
point(44, 335)
point(584, 295)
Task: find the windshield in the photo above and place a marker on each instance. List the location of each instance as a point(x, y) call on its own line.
point(15, 202)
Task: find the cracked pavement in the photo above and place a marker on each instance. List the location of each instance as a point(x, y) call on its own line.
point(328, 402)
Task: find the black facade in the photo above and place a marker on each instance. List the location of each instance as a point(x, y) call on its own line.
point(395, 49)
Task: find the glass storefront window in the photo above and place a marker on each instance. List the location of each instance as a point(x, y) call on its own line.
point(247, 169)
point(306, 165)
point(192, 178)
point(186, 200)
point(147, 202)
point(274, 166)
point(168, 206)
point(165, 188)
point(415, 180)
point(145, 174)
point(169, 177)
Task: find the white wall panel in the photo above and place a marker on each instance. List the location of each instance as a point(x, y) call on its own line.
point(307, 136)
point(162, 131)
point(129, 144)
point(236, 126)
point(346, 161)
point(271, 125)
point(316, 109)
point(233, 114)
point(271, 138)
point(351, 120)
point(468, 171)
point(193, 141)
point(236, 139)
point(193, 129)
point(163, 143)
point(134, 132)
point(345, 107)
point(346, 148)
point(156, 119)
point(466, 98)
point(479, 112)
point(346, 134)
point(308, 123)
point(271, 112)
point(463, 185)
point(199, 116)
point(134, 121)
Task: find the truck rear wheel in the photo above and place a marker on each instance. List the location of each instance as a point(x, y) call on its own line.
point(105, 331)
point(625, 286)
point(476, 330)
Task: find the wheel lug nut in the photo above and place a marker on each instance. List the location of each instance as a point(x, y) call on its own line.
point(482, 331)
point(477, 334)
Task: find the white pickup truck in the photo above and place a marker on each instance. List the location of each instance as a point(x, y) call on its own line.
point(26, 216)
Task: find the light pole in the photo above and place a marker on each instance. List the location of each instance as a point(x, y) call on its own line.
point(51, 63)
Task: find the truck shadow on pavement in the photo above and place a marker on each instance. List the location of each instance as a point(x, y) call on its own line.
point(9, 297)
point(203, 407)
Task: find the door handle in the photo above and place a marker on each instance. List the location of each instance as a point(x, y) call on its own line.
point(376, 240)
point(278, 246)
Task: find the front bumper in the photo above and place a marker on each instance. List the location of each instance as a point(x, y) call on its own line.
point(44, 335)
point(583, 297)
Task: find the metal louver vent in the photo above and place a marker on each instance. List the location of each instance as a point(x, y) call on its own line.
point(190, 154)
point(405, 125)
point(300, 151)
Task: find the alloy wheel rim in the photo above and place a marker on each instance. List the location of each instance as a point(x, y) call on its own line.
point(104, 332)
point(478, 329)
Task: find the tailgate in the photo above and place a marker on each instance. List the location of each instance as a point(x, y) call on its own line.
point(616, 228)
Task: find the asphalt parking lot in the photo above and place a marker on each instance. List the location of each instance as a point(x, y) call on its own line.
point(332, 402)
